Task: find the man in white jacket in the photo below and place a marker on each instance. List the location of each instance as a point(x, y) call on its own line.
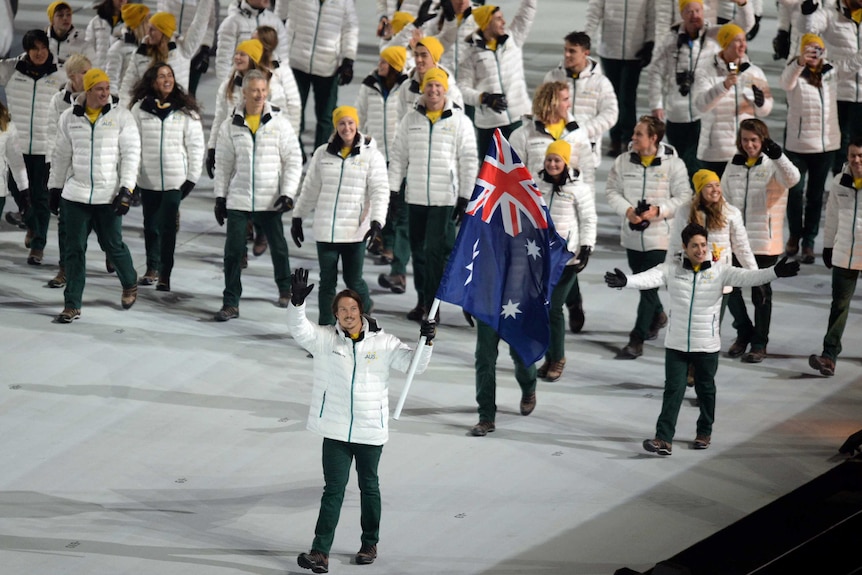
point(695, 286)
point(63, 38)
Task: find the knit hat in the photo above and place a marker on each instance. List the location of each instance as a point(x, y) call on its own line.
point(561, 148)
point(165, 22)
point(253, 47)
point(94, 76)
point(702, 177)
point(433, 46)
point(810, 38)
point(52, 7)
point(134, 15)
point(395, 56)
point(483, 14)
point(435, 75)
point(684, 3)
point(400, 20)
point(727, 33)
point(344, 112)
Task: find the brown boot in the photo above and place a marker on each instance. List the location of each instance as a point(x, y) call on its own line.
point(59, 279)
point(164, 284)
point(148, 278)
point(528, 403)
point(555, 371)
point(35, 258)
point(129, 297)
point(260, 245)
point(633, 350)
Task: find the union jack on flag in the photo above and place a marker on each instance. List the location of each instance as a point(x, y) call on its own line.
point(508, 256)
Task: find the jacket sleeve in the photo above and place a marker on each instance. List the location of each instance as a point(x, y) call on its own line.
point(520, 25)
point(225, 160)
point(349, 32)
point(291, 160)
point(608, 111)
point(114, 67)
point(739, 277)
point(586, 160)
point(790, 75)
point(311, 186)
point(657, 72)
point(292, 98)
point(467, 80)
point(739, 241)
point(786, 172)
point(377, 186)
point(61, 158)
point(362, 108)
point(15, 158)
point(816, 22)
point(830, 223)
point(196, 32)
point(309, 336)
point(7, 68)
point(130, 150)
point(227, 41)
point(130, 80)
point(193, 138)
point(220, 114)
point(468, 163)
point(402, 357)
point(744, 17)
point(585, 206)
point(649, 279)
point(398, 155)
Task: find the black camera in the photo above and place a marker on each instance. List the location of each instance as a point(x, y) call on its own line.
point(684, 81)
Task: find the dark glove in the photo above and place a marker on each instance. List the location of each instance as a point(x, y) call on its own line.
point(24, 202)
point(583, 257)
point(299, 287)
point(460, 210)
point(496, 102)
point(123, 201)
point(345, 72)
point(448, 10)
point(296, 231)
point(645, 54)
point(758, 96)
point(754, 29)
point(428, 330)
point(283, 204)
point(201, 62)
point(809, 7)
point(424, 14)
point(211, 163)
point(781, 45)
point(785, 269)
point(827, 258)
point(220, 210)
point(187, 188)
point(642, 207)
point(393, 206)
point(640, 226)
point(616, 279)
point(54, 200)
point(374, 238)
point(771, 149)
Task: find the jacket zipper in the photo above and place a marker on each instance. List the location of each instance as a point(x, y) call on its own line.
point(335, 203)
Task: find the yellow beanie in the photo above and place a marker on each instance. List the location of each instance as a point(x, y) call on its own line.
point(561, 148)
point(253, 47)
point(395, 56)
point(52, 7)
point(344, 112)
point(94, 76)
point(483, 14)
point(134, 15)
point(684, 3)
point(810, 38)
point(435, 75)
point(165, 22)
point(433, 46)
point(702, 178)
point(727, 33)
point(400, 20)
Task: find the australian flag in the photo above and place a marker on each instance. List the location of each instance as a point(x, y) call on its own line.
point(508, 256)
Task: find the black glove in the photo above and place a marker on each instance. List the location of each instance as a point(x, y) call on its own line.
point(211, 163)
point(54, 200)
point(220, 210)
point(345, 72)
point(827, 258)
point(754, 29)
point(393, 206)
point(374, 238)
point(460, 210)
point(583, 257)
point(283, 204)
point(186, 188)
point(645, 54)
point(616, 279)
point(781, 45)
point(809, 7)
point(24, 202)
point(428, 330)
point(299, 287)
point(296, 231)
point(123, 201)
point(424, 14)
point(201, 62)
point(785, 269)
point(641, 207)
point(758, 96)
point(448, 10)
point(640, 226)
point(771, 149)
point(496, 102)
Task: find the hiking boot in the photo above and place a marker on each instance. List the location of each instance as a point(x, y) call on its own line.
point(701, 442)
point(109, 267)
point(59, 280)
point(658, 322)
point(658, 446)
point(384, 258)
point(260, 245)
point(164, 284)
point(807, 255)
point(284, 299)
point(68, 315)
point(792, 245)
point(129, 297)
point(738, 347)
point(633, 350)
point(149, 278)
point(417, 313)
point(542, 372)
point(16, 219)
point(317, 561)
point(482, 428)
point(576, 318)
point(555, 371)
point(395, 282)
point(823, 364)
point(528, 404)
point(366, 555)
point(35, 258)
point(226, 312)
point(754, 356)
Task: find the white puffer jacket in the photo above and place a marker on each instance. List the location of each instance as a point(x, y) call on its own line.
point(93, 161)
point(238, 27)
point(28, 98)
point(100, 34)
point(722, 110)
point(74, 43)
point(409, 96)
point(322, 35)
point(760, 193)
point(695, 299)
point(812, 112)
point(117, 60)
point(175, 146)
point(61, 102)
point(500, 71)
point(594, 102)
point(350, 396)
point(624, 25)
point(346, 194)
point(253, 170)
point(842, 230)
point(184, 11)
point(378, 114)
point(11, 160)
point(843, 38)
point(573, 211)
point(439, 160)
point(531, 142)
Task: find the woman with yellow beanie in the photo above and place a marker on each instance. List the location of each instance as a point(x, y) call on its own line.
point(135, 17)
point(103, 29)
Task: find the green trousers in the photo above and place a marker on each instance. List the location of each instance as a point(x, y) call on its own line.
point(761, 296)
point(325, 99)
point(487, 342)
point(675, 372)
point(79, 220)
point(684, 137)
point(337, 457)
point(432, 235)
point(39, 215)
point(804, 222)
point(557, 347)
point(649, 306)
point(624, 76)
point(160, 228)
point(352, 257)
point(843, 288)
point(235, 249)
point(396, 234)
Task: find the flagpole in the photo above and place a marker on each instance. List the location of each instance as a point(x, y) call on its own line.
point(414, 363)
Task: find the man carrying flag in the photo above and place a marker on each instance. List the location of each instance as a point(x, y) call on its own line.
point(504, 265)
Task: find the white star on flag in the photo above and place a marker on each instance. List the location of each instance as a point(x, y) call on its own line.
point(511, 310)
point(533, 250)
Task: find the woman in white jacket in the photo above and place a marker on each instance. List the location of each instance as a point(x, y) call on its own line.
point(11, 158)
point(135, 17)
point(104, 28)
point(347, 188)
point(171, 163)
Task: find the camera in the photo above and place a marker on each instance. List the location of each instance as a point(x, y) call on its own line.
point(732, 67)
point(817, 52)
point(684, 81)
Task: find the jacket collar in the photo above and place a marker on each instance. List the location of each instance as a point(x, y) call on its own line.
point(150, 106)
point(571, 125)
point(741, 159)
point(686, 264)
point(265, 115)
point(589, 70)
point(26, 67)
point(447, 108)
point(478, 40)
point(248, 10)
point(846, 179)
point(635, 158)
point(333, 148)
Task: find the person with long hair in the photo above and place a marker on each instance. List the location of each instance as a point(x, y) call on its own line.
point(169, 121)
point(11, 158)
point(104, 28)
point(135, 20)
